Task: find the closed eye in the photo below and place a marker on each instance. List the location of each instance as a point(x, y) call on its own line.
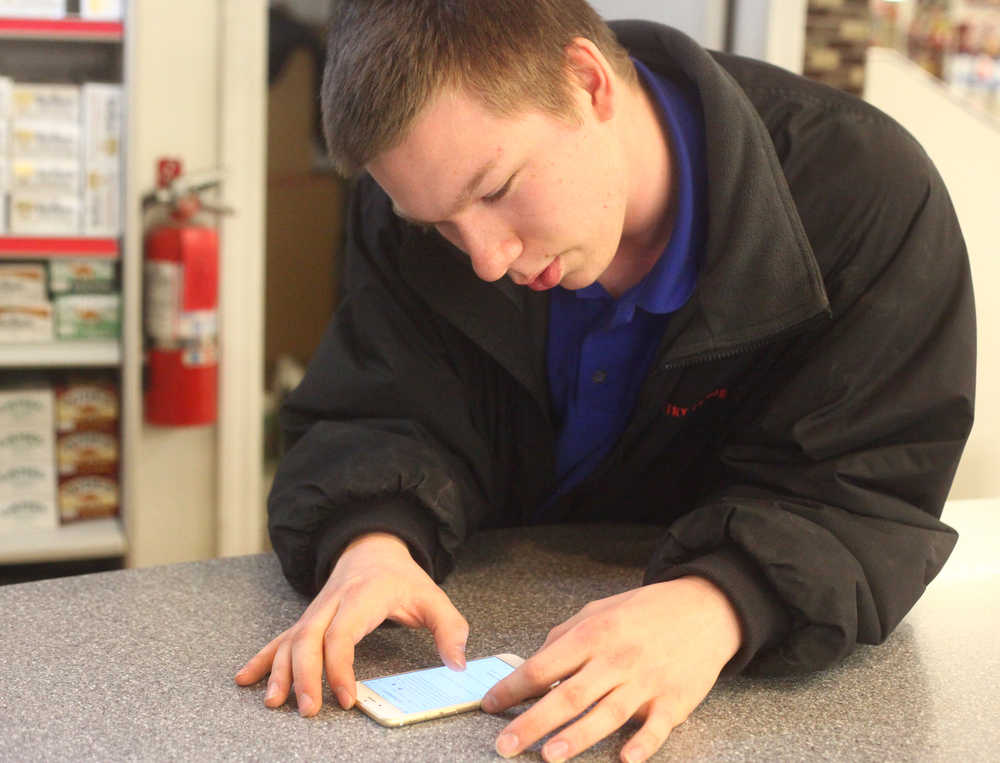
point(494, 197)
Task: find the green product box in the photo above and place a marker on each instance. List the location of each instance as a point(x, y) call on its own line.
point(88, 316)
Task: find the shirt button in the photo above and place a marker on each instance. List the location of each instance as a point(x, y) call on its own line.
point(599, 377)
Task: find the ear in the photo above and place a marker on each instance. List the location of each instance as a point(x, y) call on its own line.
point(591, 71)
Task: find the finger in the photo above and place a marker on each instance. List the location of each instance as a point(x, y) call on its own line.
point(450, 629)
point(280, 682)
point(611, 713)
point(535, 676)
point(558, 707)
point(259, 665)
point(307, 669)
point(653, 733)
point(359, 614)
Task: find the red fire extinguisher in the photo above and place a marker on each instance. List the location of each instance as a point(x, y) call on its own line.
point(181, 274)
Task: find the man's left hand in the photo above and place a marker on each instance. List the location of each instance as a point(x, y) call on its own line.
point(652, 653)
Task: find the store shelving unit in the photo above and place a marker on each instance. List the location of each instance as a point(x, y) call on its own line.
point(69, 30)
point(90, 539)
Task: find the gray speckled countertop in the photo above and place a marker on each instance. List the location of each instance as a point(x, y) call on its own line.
point(139, 664)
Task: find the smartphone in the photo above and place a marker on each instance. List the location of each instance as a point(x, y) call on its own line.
point(420, 695)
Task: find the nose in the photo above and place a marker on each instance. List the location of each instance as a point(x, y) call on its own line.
point(491, 249)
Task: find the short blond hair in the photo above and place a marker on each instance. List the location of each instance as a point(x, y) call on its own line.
point(387, 58)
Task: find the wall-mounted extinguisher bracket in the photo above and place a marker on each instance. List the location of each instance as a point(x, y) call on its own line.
point(181, 279)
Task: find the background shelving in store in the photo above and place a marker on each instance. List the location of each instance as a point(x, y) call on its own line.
point(65, 50)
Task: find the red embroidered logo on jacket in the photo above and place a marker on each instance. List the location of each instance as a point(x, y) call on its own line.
point(677, 412)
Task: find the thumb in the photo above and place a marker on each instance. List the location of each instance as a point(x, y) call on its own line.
point(450, 629)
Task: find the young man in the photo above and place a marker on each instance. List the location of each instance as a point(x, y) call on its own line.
point(704, 293)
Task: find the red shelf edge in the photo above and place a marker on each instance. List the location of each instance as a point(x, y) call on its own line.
point(63, 28)
point(21, 246)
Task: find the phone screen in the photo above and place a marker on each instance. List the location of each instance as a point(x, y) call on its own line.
point(423, 690)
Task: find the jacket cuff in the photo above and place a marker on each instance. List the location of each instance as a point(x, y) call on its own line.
point(397, 515)
point(763, 618)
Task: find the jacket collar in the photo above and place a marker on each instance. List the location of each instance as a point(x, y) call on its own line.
point(759, 276)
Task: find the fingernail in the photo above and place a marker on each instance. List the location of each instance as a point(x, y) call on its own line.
point(556, 751)
point(272, 691)
point(343, 697)
point(507, 744)
point(305, 704)
point(632, 755)
point(490, 704)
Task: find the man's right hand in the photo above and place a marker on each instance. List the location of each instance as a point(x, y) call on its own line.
point(375, 578)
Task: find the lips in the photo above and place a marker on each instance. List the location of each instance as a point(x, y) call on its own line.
point(548, 277)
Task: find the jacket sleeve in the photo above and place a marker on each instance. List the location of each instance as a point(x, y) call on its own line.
point(379, 432)
point(825, 529)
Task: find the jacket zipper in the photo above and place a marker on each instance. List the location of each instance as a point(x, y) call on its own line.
point(747, 347)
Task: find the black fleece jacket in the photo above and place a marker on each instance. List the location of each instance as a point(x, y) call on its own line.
point(796, 437)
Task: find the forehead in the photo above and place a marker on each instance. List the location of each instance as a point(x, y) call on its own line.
point(453, 144)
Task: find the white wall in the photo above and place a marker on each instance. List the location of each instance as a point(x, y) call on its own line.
point(178, 54)
point(965, 146)
point(704, 20)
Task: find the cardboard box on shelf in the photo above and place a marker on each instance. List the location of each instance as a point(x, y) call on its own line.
point(33, 213)
point(88, 316)
point(22, 282)
point(90, 496)
point(33, 9)
point(104, 10)
point(72, 276)
point(86, 405)
point(102, 201)
point(19, 445)
point(6, 94)
point(51, 103)
point(27, 409)
point(26, 322)
point(87, 453)
point(101, 106)
point(36, 139)
point(26, 478)
point(28, 512)
point(60, 177)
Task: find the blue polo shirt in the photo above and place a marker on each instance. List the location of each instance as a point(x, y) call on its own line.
point(600, 348)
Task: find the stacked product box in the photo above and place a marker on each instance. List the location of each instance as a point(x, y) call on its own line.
point(33, 9)
point(27, 458)
point(86, 304)
point(60, 164)
point(102, 129)
point(45, 152)
point(838, 33)
point(87, 448)
point(101, 10)
point(6, 95)
point(25, 311)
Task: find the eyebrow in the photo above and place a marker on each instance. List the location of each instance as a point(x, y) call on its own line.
point(463, 197)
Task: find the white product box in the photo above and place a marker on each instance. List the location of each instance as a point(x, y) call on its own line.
point(101, 106)
point(6, 93)
point(105, 10)
point(26, 446)
point(72, 276)
point(27, 478)
point(3, 194)
point(36, 139)
point(28, 512)
point(26, 322)
point(102, 202)
point(52, 103)
point(55, 176)
point(22, 282)
point(44, 214)
point(33, 9)
point(29, 409)
point(4, 137)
